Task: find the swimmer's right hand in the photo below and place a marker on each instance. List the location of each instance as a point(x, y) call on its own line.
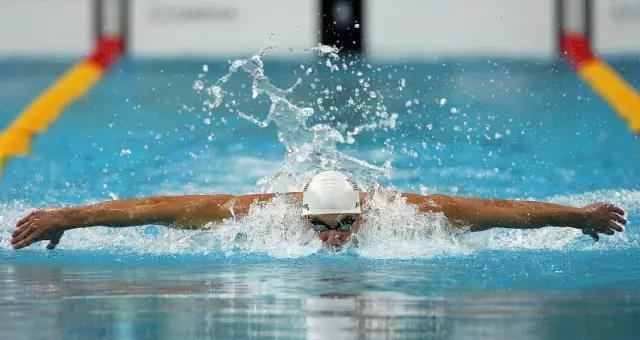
point(39, 225)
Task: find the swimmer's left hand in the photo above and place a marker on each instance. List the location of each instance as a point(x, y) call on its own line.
point(602, 218)
point(39, 225)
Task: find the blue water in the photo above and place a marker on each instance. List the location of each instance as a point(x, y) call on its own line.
point(485, 127)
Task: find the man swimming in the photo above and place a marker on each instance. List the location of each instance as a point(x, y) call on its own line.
point(331, 205)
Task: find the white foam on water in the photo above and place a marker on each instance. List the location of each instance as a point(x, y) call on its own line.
point(10, 213)
point(393, 230)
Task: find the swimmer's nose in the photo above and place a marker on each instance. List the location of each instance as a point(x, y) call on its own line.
point(332, 237)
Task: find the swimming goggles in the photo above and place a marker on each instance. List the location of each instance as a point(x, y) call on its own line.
point(345, 224)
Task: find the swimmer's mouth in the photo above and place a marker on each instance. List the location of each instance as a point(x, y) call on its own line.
point(352, 242)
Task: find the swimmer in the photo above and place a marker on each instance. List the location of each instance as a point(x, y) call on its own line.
point(331, 206)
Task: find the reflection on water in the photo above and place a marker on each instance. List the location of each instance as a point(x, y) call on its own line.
point(264, 300)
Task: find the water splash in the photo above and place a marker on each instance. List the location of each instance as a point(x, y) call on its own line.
point(310, 146)
point(392, 230)
point(312, 135)
point(395, 229)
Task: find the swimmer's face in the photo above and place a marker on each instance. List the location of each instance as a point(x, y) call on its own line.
point(334, 237)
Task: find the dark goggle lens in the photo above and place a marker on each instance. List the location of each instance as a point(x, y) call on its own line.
point(320, 228)
point(344, 226)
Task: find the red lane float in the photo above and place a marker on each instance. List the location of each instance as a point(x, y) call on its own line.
point(603, 79)
point(16, 139)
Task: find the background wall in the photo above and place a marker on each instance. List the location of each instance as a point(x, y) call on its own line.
point(192, 27)
point(616, 26)
point(45, 27)
point(457, 27)
point(393, 28)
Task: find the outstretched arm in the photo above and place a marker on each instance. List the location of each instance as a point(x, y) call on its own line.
point(483, 214)
point(181, 211)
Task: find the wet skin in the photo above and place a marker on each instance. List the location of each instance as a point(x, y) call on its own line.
point(196, 211)
point(334, 237)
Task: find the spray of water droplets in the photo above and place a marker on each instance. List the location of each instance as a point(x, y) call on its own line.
point(312, 132)
point(310, 135)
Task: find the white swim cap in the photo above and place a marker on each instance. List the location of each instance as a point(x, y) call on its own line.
point(330, 192)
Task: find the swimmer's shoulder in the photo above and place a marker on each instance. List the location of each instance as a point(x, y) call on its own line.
point(431, 203)
point(294, 195)
point(252, 198)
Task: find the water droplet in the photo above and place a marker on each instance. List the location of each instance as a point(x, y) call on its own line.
point(198, 85)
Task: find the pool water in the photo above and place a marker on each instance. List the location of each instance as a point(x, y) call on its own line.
point(507, 128)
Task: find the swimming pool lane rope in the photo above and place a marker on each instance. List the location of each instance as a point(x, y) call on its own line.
point(16, 139)
point(603, 79)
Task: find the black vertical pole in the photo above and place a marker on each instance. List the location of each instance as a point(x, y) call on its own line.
point(588, 19)
point(342, 24)
point(97, 20)
point(559, 25)
point(124, 24)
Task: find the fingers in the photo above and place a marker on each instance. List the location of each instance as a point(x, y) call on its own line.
point(591, 233)
point(615, 226)
point(608, 232)
point(32, 228)
point(21, 233)
point(23, 220)
point(616, 209)
point(22, 224)
point(25, 242)
point(618, 218)
point(19, 230)
point(55, 239)
point(30, 234)
point(609, 229)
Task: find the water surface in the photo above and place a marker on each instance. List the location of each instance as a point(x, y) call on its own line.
point(507, 128)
